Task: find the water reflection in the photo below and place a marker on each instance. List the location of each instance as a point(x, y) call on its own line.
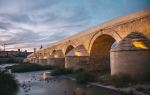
point(45, 75)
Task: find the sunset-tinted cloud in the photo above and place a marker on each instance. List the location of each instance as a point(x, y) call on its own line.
point(30, 23)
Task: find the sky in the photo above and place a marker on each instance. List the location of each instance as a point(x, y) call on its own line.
point(28, 24)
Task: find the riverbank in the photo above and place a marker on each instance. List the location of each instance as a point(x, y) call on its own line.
point(139, 89)
point(37, 79)
point(136, 89)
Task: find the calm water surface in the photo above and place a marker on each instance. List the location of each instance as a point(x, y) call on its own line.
point(56, 86)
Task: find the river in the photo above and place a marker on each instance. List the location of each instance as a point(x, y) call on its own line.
point(34, 85)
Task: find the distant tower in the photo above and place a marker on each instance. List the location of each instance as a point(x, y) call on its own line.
point(41, 47)
point(19, 53)
point(34, 50)
point(19, 50)
point(25, 53)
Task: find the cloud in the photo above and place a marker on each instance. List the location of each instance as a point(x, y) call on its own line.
point(5, 25)
point(31, 23)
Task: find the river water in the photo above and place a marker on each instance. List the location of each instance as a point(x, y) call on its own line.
point(32, 84)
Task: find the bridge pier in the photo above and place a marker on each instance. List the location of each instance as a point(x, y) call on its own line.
point(131, 56)
point(59, 62)
point(77, 58)
point(32, 61)
point(56, 59)
point(35, 61)
point(43, 61)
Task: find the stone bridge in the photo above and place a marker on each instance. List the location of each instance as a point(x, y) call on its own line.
point(120, 45)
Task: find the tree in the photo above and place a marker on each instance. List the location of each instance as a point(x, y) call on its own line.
point(8, 84)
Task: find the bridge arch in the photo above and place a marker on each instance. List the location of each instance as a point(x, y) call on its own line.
point(111, 33)
point(68, 49)
point(57, 54)
point(100, 51)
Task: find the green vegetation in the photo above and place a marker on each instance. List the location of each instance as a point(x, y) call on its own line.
point(28, 67)
point(84, 76)
point(146, 77)
point(118, 80)
point(122, 80)
point(61, 71)
point(8, 85)
point(80, 75)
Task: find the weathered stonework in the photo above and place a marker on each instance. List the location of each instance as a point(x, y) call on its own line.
point(56, 59)
point(77, 58)
point(59, 62)
point(74, 62)
point(43, 61)
point(131, 56)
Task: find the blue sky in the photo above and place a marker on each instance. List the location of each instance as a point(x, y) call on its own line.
point(29, 23)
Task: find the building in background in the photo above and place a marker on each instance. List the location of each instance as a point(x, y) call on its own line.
point(13, 56)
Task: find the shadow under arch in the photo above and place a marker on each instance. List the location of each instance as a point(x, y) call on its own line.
point(57, 54)
point(100, 52)
point(69, 48)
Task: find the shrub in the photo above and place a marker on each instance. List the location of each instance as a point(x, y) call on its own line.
point(105, 79)
point(79, 70)
point(84, 77)
point(121, 80)
point(147, 77)
point(8, 85)
point(61, 71)
point(27, 67)
point(117, 80)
